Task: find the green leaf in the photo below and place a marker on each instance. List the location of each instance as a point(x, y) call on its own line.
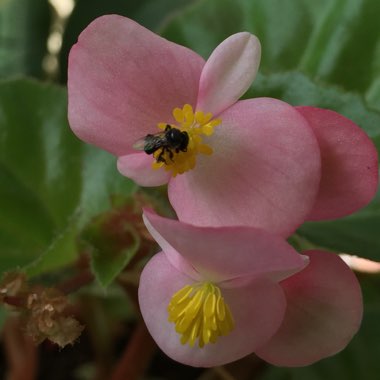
point(149, 13)
point(112, 241)
point(356, 234)
point(283, 27)
point(61, 251)
point(52, 184)
point(25, 27)
point(345, 46)
point(373, 94)
point(192, 27)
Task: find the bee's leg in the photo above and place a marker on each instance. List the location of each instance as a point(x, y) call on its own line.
point(168, 128)
point(160, 157)
point(171, 154)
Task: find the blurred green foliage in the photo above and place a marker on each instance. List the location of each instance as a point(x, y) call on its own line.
point(113, 241)
point(52, 184)
point(334, 41)
point(24, 30)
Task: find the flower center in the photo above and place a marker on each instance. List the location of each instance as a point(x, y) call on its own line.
point(183, 140)
point(199, 312)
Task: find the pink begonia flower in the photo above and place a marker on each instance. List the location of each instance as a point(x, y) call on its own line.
point(349, 164)
point(254, 162)
point(214, 295)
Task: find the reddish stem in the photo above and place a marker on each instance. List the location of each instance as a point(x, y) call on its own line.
point(137, 355)
point(73, 284)
point(21, 352)
point(16, 301)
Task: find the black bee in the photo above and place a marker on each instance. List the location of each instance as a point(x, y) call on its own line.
point(172, 139)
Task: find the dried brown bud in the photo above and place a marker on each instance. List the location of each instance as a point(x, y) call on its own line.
point(46, 317)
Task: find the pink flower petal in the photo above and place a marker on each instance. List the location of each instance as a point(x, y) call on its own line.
point(257, 310)
point(349, 164)
point(224, 253)
point(228, 72)
point(124, 79)
point(138, 166)
point(324, 312)
point(264, 171)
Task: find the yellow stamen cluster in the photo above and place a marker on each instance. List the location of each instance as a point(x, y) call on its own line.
point(199, 312)
point(195, 124)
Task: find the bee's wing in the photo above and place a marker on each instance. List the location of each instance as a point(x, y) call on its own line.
point(150, 143)
point(139, 144)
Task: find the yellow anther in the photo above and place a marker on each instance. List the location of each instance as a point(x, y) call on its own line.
point(199, 117)
point(208, 129)
point(220, 310)
point(199, 312)
point(182, 295)
point(187, 108)
point(205, 149)
point(178, 115)
point(196, 125)
point(162, 126)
